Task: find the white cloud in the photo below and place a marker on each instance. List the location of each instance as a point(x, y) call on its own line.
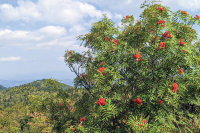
point(127, 2)
point(55, 24)
point(24, 11)
point(77, 29)
point(15, 59)
point(10, 58)
point(51, 11)
point(50, 31)
point(118, 16)
point(48, 34)
point(61, 58)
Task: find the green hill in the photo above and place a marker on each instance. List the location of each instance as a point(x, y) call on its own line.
point(2, 88)
point(15, 103)
point(38, 83)
point(11, 96)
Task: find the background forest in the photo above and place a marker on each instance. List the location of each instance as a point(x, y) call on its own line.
point(14, 103)
point(21, 107)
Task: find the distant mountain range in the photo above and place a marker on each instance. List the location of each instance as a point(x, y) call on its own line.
point(14, 83)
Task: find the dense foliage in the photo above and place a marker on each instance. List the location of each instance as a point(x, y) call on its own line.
point(15, 101)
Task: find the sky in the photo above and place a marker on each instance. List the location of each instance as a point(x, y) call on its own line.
point(34, 34)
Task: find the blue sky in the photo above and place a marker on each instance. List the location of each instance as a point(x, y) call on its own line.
point(34, 34)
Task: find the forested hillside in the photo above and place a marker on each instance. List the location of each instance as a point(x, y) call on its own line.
point(34, 108)
point(15, 102)
point(2, 88)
